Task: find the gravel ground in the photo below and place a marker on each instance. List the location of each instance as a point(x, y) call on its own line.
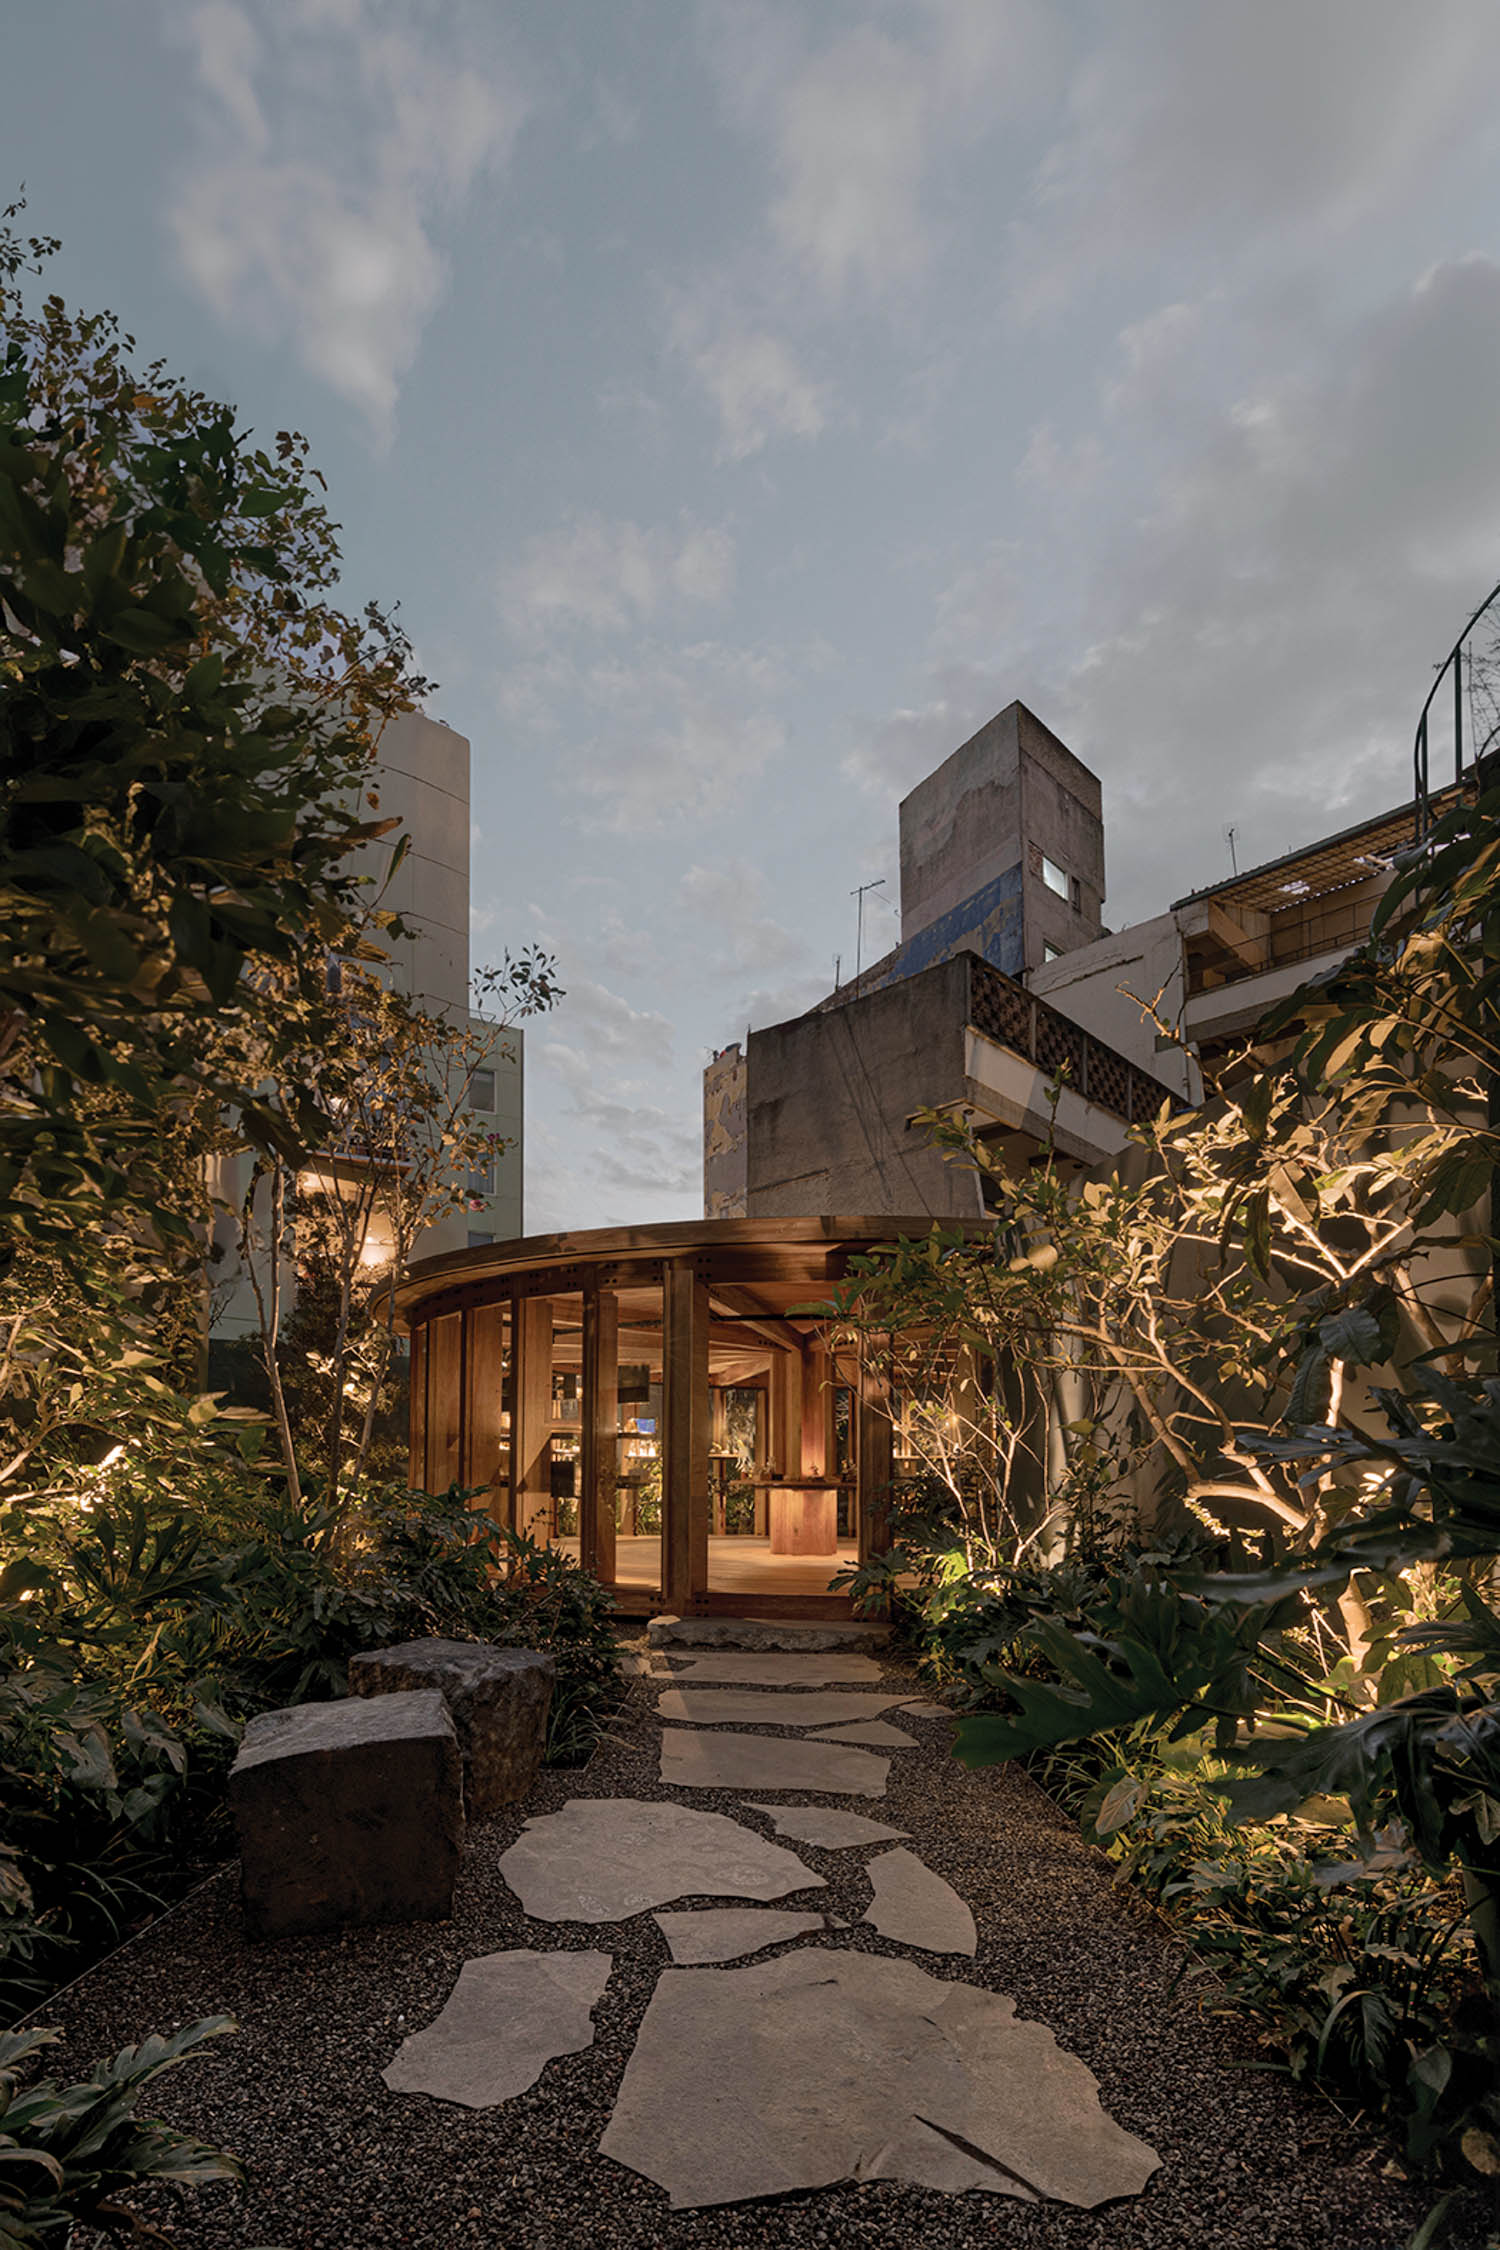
point(339, 2163)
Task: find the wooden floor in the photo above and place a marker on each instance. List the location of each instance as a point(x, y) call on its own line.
point(735, 1566)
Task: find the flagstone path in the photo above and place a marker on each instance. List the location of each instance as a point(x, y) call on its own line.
point(938, 2024)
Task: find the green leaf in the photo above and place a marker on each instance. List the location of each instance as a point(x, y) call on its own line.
point(143, 632)
point(1354, 1335)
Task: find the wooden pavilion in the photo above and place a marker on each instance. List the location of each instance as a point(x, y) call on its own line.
point(661, 1402)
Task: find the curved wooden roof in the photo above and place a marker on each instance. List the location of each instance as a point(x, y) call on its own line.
point(790, 1250)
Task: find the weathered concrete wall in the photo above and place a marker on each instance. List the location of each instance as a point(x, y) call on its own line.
point(724, 1083)
point(1148, 959)
point(830, 1094)
point(973, 838)
point(962, 826)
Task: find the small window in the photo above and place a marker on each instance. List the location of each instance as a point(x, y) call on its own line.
point(1054, 876)
point(1051, 952)
point(482, 1179)
point(479, 1241)
point(482, 1090)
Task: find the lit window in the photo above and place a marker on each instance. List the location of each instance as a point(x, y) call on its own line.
point(482, 1090)
point(1054, 877)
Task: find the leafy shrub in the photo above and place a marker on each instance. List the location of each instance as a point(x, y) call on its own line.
point(68, 2153)
point(143, 1643)
point(1360, 1974)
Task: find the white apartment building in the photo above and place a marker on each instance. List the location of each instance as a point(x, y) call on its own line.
point(421, 777)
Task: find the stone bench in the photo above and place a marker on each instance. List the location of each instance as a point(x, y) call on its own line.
point(498, 1698)
point(348, 1812)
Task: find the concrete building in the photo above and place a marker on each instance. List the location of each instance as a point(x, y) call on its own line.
point(1004, 978)
point(1221, 957)
point(1002, 875)
point(421, 776)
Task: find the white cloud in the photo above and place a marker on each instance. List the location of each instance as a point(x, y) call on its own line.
point(753, 379)
point(854, 127)
point(1288, 122)
point(739, 937)
point(680, 733)
point(341, 132)
point(612, 575)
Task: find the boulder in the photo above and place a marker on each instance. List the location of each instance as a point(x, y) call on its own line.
point(498, 1699)
point(348, 1812)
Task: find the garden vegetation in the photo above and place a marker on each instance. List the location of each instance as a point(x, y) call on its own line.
point(1204, 1503)
point(191, 992)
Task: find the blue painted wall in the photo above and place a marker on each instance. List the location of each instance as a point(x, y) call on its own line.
point(988, 922)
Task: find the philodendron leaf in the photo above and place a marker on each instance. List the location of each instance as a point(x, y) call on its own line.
point(1188, 1654)
point(1353, 1334)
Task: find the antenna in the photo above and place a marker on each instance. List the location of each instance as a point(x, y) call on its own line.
point(1229, 836)
point(859, 939)
point(838, 963)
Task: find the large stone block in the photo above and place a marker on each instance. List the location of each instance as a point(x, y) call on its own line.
point(499, 1699)
point(348, 1812)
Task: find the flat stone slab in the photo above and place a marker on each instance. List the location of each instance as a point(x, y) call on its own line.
point(823, 2066)
point(927, 1711)
point(735, 1668)
point(765, 1632)
point(602, 1859)
point(504, 2021)
point(348, 1812)
point(765, 1707)
point(690, 1760)
point(870, 1734)
point(828, 1825)
point(498, 1699)
point(727, 1933)
point(912, 1906)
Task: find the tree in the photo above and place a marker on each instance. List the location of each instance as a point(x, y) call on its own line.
point(345, 1222)
point(1288, 1316)
point(186, 728)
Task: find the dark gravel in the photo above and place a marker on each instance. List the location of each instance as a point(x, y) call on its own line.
point(338, 2163)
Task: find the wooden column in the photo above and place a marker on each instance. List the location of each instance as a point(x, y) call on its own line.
point(684, 1528)
point(786, 1414)
point(417, 1409)
point(599, 1409)
point(530, 1435)
point(874, 1458)
point(817, 1412)
point(486, 1446)
point(445, 1392)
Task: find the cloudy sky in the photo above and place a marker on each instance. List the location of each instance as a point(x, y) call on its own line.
point(745, 398)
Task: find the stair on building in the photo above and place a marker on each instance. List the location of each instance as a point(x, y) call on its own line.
point(811, 1635)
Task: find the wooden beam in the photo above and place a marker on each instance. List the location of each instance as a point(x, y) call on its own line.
point(753, 1315)
point(531, 1416)
point(486, 1441)
point(684, 1531)
point(600, 1411)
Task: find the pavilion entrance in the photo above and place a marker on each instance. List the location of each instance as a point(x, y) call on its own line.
point(660, 1402)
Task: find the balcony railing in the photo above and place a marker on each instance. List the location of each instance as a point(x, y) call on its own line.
point(1006, 1011)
